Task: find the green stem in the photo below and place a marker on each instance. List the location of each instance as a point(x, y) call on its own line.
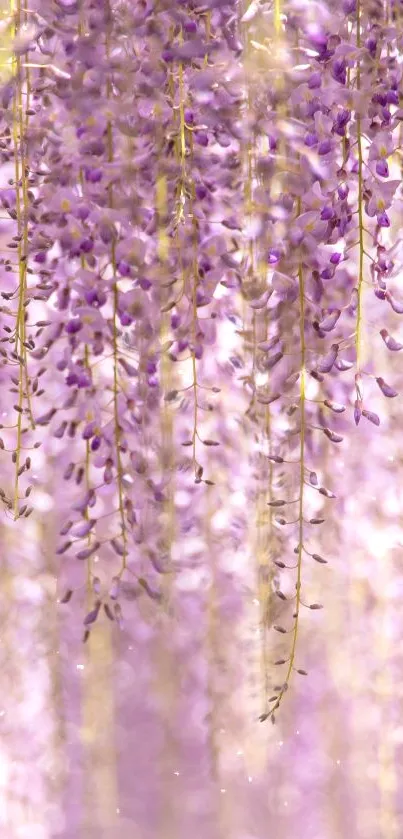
point(298, 602)
point(182, 148)
point(301, 474)
point(360, 210)
point(115, 337)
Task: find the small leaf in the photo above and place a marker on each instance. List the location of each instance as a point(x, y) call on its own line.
point(67, 596)
point(280, 629)
point(320, 559)
point(316, 606)
point(210, 443)
point(278, 503)
point(302, 672)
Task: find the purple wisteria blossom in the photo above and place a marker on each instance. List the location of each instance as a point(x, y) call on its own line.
point(199, 342)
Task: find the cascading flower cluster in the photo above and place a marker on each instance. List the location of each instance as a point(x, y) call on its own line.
point(199, 205)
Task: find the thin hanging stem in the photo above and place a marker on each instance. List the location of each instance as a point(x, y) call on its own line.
point(358, 336)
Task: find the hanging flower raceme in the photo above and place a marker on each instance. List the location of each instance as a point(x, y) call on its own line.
point(191, 252)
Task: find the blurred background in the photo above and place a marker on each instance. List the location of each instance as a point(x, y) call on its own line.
point(153, 731)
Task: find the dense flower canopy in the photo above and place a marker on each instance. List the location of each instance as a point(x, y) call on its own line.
point(199, 337)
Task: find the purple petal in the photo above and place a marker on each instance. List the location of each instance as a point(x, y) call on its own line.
point(92, 616)
point(386, 389)
point(397, 307)
point(328, 360)
point(331, 435)
point(369, 415)
point(329, 321)
point(390, 342)
point(342, 364)
point(337, 407)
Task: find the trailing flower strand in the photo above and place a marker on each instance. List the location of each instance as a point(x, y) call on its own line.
point(358, 337)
